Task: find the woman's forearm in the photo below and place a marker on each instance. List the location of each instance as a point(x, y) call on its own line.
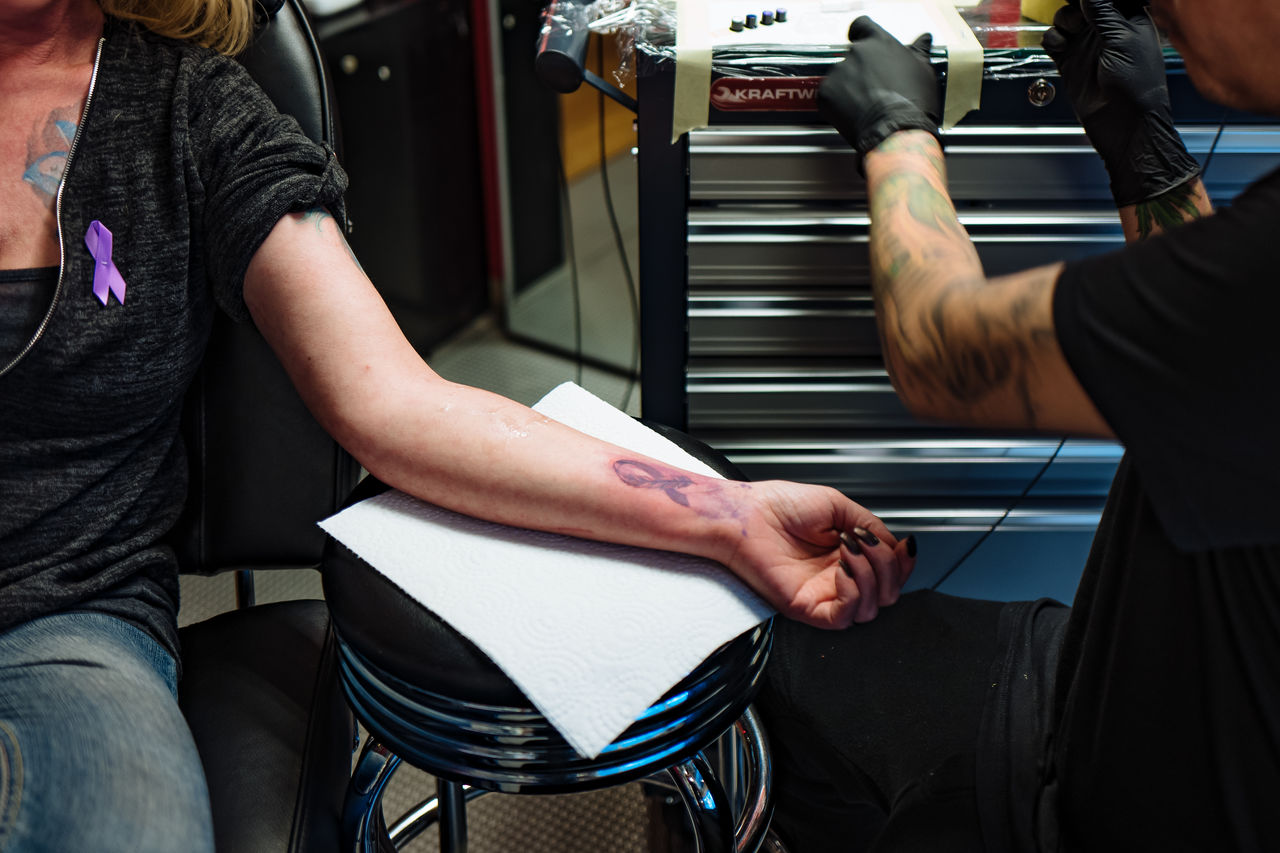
point(481, 454)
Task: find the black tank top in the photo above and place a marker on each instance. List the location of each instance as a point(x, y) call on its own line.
point(24, 300)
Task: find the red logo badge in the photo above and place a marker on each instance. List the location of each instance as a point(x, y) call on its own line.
point(765, 94)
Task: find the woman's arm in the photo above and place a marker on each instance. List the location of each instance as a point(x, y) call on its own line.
point(478, 453)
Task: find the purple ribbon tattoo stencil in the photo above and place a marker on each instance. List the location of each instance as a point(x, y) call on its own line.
point(106, 278)
point(644, 476)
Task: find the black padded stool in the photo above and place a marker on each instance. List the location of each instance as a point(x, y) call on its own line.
point(428, 696)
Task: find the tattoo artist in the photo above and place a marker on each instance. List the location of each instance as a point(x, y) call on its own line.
point(1147, 716)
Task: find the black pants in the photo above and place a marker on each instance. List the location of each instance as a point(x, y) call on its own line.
point(880, 733)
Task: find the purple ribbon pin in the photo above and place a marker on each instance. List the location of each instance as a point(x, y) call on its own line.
point(106, 278)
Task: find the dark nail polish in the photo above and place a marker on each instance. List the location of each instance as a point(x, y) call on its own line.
point(850, 542)
point(866, 536)
point(911, 545)
point(845, 568)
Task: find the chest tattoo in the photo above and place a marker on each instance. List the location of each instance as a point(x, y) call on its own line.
point(47, 150)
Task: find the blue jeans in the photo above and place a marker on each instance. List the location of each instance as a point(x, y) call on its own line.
point(94, 752)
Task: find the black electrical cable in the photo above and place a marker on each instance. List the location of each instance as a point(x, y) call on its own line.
point(1213, 146)
point(575, 294)
point(1012, 506)
point(633, 371)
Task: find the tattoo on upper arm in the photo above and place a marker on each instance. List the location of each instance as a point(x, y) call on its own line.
point(318, 215)
point(642, 475)
point(970, 346)
point(1179, 205)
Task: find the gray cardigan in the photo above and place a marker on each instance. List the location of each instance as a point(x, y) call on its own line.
point(189, 165)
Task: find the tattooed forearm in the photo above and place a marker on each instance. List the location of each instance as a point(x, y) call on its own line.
point(642, 475)
point(716, 499)
point(1179, 205)
point(914, 227)
point(956, 346)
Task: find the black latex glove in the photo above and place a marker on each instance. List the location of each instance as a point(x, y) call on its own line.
point(1113, 69)
point(882, 86)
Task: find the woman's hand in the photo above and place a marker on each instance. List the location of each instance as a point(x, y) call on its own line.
point(818, 557)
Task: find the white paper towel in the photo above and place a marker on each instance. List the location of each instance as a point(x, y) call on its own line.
point(592, 633)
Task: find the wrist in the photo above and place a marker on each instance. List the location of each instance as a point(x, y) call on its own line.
point(892, 119)
point(724, 510)
point(1182, 204)
point(687, 512)
point(898, 150)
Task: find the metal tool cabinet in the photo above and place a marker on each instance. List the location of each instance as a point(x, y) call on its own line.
point(758, 333)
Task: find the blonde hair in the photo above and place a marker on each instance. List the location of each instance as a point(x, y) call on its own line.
point(223, 25)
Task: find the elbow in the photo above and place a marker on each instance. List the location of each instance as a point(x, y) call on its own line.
point(905, 373)
point(911, 393)
point(904, 358)
point(929, 352)
point(394, 423)
point(915, 380)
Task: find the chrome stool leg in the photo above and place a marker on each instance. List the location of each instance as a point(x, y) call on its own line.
point(752, 796)
point(362, 809)
point(773, 844)
point(363, 803)
point(708, 806)
point(453, 816)
point(420, 818)
point(756, 789)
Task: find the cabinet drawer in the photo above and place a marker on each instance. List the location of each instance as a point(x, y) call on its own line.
point(951, 473)
point(984, 164)
point(794, 397)
point(767, 280)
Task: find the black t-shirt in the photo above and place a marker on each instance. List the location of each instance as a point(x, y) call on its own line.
point(1168, 701)
point(189, 165)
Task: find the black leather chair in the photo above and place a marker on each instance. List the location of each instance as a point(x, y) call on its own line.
point(259, 687)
